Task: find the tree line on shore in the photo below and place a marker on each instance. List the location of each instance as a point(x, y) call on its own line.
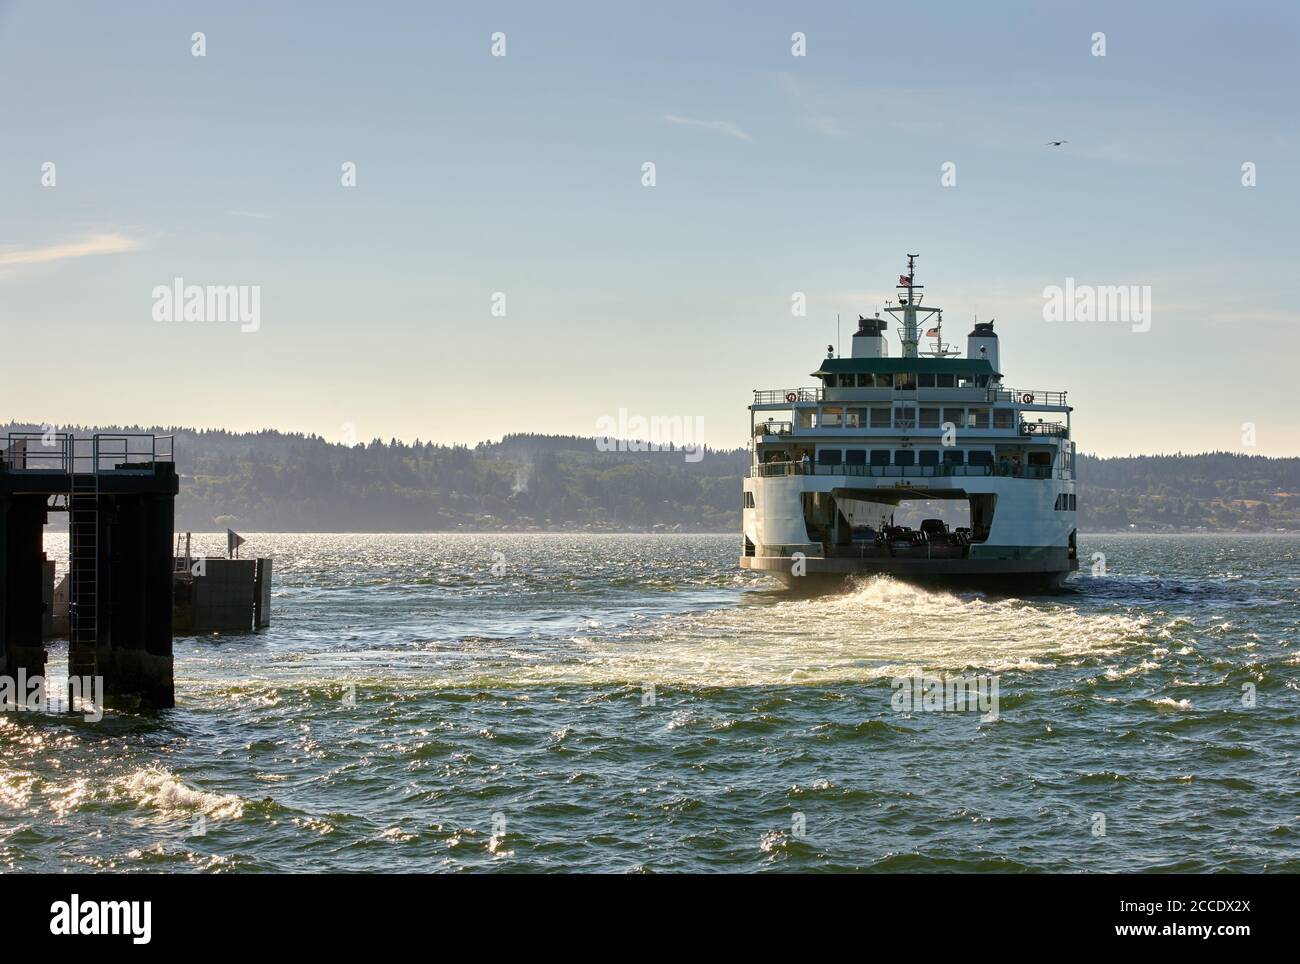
point(281, 482)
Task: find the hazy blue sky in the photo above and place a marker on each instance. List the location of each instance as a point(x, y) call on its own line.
point(523, 174)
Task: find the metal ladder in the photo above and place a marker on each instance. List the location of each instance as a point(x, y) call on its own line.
point(83, 566)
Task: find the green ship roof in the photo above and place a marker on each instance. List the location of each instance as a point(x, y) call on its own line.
point(892, 366)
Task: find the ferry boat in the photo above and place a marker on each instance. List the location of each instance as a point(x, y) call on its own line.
point(922, 465)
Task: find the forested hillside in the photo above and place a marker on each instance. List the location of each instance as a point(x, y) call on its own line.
point(272, 481)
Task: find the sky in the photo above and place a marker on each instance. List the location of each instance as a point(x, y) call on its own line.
point(500, 264)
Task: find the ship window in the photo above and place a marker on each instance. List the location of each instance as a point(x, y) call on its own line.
point(907, 457)
point(851, 417)
point(880, 456)
point(929, 418)
point(1002, 417)
point(880, 417)
point(927, 457)
point(866, 380)
point(925, 380)
point(749, 500)
point(955, 415)
point(831, 417)
point(904, 418)
point(828, 457)
point(977, 418)
point(980, 457)
point(829, 380)
point(905, 381)
point(855, 456)
point(954, 457)
point(945, 381)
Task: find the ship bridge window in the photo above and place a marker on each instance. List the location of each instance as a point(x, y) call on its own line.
point(929, 418)
point(880, 456)
point(927, 457)
point(831, 417)
point(828, 457)
point(925, 380)
point(829, 381)
point(855, 456)
point(866, 380)
point(905, 381)
point(880, 417)
point(977, 418)
point(904, 457)
point(954, 457)
point(1003, 417)
point(948, 380)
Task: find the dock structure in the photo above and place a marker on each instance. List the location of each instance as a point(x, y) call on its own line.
point(220, 596)
point(119, 491)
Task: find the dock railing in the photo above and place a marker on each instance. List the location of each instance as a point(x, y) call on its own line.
point(67, 454)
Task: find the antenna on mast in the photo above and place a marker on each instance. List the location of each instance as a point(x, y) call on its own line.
point(910, 296)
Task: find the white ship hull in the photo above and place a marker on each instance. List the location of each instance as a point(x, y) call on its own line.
point(1029, 540)
point(838, 470)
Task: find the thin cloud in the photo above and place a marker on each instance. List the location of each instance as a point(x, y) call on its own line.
point(95, 244)
point(721, 126)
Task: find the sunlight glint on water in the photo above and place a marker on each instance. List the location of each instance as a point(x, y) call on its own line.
point(526, 695)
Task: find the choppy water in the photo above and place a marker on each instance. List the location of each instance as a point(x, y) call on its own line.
point(625, 703)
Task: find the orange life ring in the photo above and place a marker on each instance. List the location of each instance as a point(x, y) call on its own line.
point(791, 397)
point(1027, 398)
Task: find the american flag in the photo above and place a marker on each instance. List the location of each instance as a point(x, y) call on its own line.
point(932, 333)
point(904, 279)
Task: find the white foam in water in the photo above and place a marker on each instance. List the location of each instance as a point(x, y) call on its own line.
point(160, 789)
point(880, 628)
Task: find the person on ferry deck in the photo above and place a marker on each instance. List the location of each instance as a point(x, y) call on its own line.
point(806, 463)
